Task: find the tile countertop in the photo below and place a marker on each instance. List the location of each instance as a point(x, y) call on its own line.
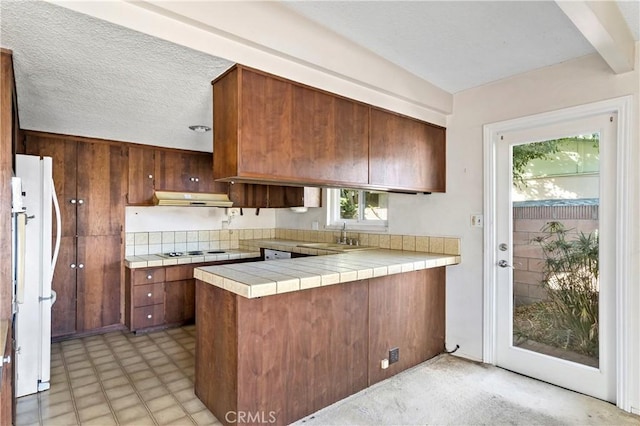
point(258, 279)
point(153, 260)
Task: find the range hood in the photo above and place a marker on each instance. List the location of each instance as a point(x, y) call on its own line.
point(190, 199)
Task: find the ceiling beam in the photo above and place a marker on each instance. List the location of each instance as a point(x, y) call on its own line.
point(603, 25)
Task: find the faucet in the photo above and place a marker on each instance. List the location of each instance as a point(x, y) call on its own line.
point(343, 240)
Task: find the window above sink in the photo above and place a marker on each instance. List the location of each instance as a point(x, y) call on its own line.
point(358, 209)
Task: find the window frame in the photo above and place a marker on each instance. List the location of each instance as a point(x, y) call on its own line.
point(333, 212)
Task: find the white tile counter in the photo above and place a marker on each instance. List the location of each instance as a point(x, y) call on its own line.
point(154, 260)
point(258, 279)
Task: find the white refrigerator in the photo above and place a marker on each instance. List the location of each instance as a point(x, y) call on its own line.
point(33, 260)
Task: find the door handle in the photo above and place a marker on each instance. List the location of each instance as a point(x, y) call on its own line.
point(503, 264)
point(73, 266)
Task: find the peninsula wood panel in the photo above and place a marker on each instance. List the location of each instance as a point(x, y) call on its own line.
point(405, 153)
point(406, 311)
point(216, 384)
point(296, 352)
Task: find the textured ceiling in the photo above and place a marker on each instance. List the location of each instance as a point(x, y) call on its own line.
point(82, 76)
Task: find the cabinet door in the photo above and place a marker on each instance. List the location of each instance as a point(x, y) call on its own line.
point(200, 167)
point(329, 138)
point(179, 301)
point(266, 113)
point(63, 312)
point(101, 190)
point(406, 153)
point(285, 196)
point(99, 281)
point(64, 158)
point(181, 171)
point(249, 195)
point(141, 175)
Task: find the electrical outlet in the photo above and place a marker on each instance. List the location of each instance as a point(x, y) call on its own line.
point(477, 220)
point(394, 355)
point(384, 364)
point(234, 212)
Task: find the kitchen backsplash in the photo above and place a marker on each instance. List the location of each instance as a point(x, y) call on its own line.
point(435, 244)
point(141, 243)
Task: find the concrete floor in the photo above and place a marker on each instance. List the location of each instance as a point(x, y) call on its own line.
point(452, 391)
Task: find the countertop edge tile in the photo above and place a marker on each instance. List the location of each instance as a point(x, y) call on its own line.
point(252, 280)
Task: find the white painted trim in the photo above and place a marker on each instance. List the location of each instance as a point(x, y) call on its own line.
point(622, 106)
point(623, 256)
point(489, 299)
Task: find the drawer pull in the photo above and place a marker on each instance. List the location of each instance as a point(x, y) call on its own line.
point(149, 316)
point(149, 276)
point(149, 294)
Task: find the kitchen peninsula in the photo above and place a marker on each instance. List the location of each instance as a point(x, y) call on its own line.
point(279, 340)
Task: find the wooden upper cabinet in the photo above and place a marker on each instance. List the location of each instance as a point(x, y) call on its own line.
point(141, 175)
point(153, 169)
point(271, 129)
point(406, 154)
point(184, 171)
point(101, 190)
point(268, 129)
point(330, 138)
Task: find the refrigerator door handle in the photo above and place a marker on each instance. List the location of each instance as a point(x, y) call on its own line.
point(21, 242)
point(56, 249)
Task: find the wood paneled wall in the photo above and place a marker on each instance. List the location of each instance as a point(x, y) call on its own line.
point(285, 356)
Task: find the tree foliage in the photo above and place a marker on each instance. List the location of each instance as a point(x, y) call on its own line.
point(525, 153)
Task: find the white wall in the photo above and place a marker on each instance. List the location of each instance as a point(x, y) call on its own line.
point(164, 218)
point(576, 82)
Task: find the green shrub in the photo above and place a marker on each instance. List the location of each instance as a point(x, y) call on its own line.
point(571, 273)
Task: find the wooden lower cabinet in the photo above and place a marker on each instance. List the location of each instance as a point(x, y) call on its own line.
point(285, 356)
point(162, 296)
point(180, 305)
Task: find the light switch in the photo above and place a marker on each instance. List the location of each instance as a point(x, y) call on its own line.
point(477, 220)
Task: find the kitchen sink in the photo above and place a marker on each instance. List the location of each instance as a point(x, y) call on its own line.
point(336, 247)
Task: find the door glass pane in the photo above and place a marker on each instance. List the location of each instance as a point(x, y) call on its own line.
point(555, 208)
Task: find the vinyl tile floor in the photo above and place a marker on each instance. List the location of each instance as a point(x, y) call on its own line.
point(118, 379)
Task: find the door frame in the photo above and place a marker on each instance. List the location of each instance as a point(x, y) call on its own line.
point(621, 106)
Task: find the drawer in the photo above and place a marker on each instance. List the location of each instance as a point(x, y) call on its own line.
point(149, 294)
point(148, 276)
point(148, 316)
